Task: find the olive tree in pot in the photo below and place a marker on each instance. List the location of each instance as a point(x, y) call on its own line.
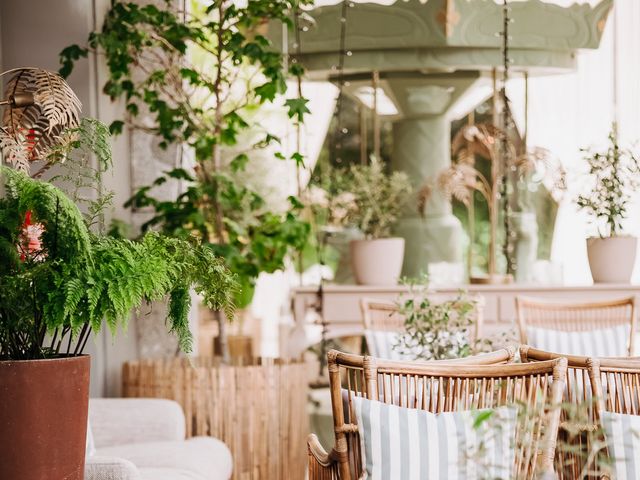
point(613, 176)
point(60, 281)
point(378, 199)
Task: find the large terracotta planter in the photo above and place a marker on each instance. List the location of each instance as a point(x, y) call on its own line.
point(377, 262)
point(43, 418)
point(612, 259)
point(258, 409)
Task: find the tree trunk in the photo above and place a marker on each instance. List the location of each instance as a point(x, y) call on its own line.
point(223, 341)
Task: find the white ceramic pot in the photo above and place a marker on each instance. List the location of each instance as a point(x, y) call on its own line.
point(377, 262)
point(612, 259)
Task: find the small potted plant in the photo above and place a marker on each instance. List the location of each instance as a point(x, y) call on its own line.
point(378, 199)
point(438, 329)
point(613, 176)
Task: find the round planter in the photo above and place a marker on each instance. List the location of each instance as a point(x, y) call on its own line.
point(612, 259)
point(377, 262)
point(259, 410)
point(43, 418)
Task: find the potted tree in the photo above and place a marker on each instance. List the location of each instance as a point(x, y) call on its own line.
point(198, 79)
point(378, 199)
point(60, 281)
point(613, 176)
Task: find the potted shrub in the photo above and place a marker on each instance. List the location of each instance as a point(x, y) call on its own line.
point(378, 199)
point(60, 281)
point(197, 79)
point(613, 176)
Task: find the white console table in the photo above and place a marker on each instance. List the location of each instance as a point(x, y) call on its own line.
point(341, 310)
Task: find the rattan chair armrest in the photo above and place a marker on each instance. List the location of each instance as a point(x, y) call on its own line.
point(322, 465)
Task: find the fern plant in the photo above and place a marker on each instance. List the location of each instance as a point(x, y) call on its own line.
point(59, 287)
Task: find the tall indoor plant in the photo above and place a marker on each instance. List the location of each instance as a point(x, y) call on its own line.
point(196, 79)
point(60, 281)
point(614, 175)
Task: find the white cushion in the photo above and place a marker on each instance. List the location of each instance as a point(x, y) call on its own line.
point(90, 444)
point(167, 474)
point(623, 441)
point(403, 443)
point(606, 342)
point(198, 458)
point(381, 344)
point(110, 468)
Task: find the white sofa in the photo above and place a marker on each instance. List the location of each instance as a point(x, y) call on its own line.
point(144, 439)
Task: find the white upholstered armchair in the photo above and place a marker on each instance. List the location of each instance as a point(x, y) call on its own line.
point(144, 439)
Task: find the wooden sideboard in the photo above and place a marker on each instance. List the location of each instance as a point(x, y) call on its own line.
point(340, 307)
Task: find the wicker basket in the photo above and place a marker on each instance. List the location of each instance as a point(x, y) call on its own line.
point(259, 411)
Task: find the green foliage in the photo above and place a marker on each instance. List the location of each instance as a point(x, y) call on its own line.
point(154, 40)
point(361, 196)
point(614, 176)
point(74, 157)
point(379, 198)
point(199, 78)
point(76, 279)
point(257, 240)
point(436, 330)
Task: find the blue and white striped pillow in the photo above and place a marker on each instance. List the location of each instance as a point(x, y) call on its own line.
point(409, 444)
point(605, 342)
point(623, 441)
point(381, 345)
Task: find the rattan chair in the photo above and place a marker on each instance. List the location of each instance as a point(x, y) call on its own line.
point(580, 392)
point(464, 384)
point(383, 316)
point(616, 386)
point(570, 462)
point(575, 317)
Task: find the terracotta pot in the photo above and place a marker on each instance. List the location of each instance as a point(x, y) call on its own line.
point(43, 418)
point(377, 262)
point(612, 259)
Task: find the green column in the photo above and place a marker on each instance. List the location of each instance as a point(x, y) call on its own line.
point(422, 149)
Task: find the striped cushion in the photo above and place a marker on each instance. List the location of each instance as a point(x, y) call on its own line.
point(606, 342)
point(623, 441)
point(381, 345)
point(408, 444)
point(387, 345)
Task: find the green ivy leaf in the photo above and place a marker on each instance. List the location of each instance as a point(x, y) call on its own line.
point(297, 108)
point(239, 162)
point(299, 159)
point(116, 127)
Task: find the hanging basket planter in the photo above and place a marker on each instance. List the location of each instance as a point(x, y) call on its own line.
point(258, 410)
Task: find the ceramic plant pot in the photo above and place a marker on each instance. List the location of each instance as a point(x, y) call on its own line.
point(43, 418)
point(377, 262)
point(612, 259)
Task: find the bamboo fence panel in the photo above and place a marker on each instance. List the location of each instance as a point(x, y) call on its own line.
point(258, 410)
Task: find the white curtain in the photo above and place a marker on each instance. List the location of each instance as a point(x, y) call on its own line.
point(576, 110)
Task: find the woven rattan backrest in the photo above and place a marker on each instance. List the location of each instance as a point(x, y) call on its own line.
point(580, 391)
point(575, 317)
point(382, 315)
point(447, 386)
point(616, 384)
point(570, 461)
